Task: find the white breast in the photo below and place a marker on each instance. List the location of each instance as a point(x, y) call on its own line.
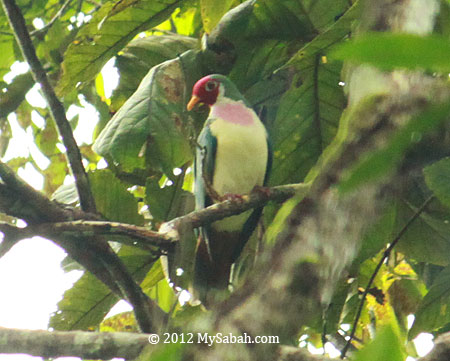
point(241, 161)
point(241, 157)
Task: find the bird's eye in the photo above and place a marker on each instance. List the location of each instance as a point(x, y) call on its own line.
point(210, 86)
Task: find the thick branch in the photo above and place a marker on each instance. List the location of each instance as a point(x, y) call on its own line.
point(87, 345)
point(228, 208)
point(101, 345)
point(441, 349)
point(140, 236)
point(20, 200)
point(57, 110)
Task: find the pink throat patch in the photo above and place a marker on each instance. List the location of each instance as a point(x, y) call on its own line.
point(236, 113)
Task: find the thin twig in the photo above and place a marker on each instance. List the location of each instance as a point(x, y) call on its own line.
point(386, 254)
point(47, 26)
point(57, 110)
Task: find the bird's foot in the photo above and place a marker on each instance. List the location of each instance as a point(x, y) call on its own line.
point(234, 197)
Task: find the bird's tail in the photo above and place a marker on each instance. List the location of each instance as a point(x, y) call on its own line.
point(212, 268)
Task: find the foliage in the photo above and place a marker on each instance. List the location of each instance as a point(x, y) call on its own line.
point(287, 58)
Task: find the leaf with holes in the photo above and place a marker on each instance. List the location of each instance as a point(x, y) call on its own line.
point(150, 129)
point(139, 56)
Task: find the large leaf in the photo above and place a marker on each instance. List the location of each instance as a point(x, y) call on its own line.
point(427, 239)
point(390, 51)
point(212, 11)
point(168, 202)
point(111, 27)
point(307, 121)
point(8, 56)
point(86, 304)
point(153, 116)
point(433, 310)
point(385, 346)
point(139, 56)
point(275, 19)
point(325, 40)
point(112, 198)
point(437, 177)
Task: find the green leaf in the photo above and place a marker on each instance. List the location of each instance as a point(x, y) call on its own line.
point(376, 164)
point(139, 56)
point(111, 27)
point(433, 310)
point(152, 121)
point(212, 11)
point(377, 236)
point(385, 346)
point(437, 177)
point(389, 51)
point(86, 304)
point(168, 202)
point(430, 228)
point(322, 43)
point(306, 122)
point(155, 275)
point(7, 51)
point(112, 198)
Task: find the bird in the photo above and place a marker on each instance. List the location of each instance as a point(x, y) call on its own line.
point(233, 157)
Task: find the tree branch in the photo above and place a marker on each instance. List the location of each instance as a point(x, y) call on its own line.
point(228, 208)
point(139, 236)
point(441, 349)
point(20, 200)
point(57, 110)
point(87, 345)
point(47, 26)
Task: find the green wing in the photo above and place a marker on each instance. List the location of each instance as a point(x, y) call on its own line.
point(204, 164)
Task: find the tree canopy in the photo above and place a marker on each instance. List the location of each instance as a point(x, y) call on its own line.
point(353, 249)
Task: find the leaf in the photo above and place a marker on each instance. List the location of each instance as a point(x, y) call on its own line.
point(433, 310)
point(212, 11)
point(274, 19)
point(306, 122)
point(111, 27)
point(153, 117)
point(430, 228)
point(389, 51)
point(7, 51)
point(437, 177)
point(385, 346)
point(376, 164)
point(168, 202)
point(112, 198)
point(122, 322)
point(86, 304)
point(322, 43)
point(139, 56)
point(377, 236)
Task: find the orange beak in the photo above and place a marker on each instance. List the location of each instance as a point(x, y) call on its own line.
point(194, 100)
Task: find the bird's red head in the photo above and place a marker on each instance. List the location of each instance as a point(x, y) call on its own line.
point(206, 91)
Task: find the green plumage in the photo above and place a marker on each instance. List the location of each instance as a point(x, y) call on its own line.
point(234, 157)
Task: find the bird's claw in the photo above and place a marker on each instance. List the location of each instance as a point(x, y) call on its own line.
point(234, 197)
